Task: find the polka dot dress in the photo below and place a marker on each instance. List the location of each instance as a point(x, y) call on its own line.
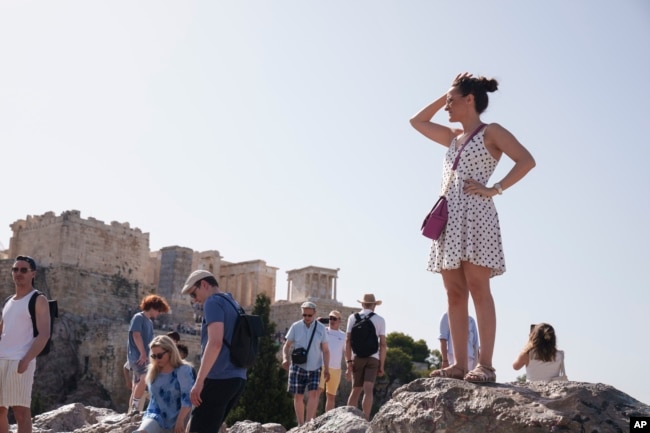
point(472, 232)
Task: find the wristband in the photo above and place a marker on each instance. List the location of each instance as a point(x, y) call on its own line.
point(349, 361)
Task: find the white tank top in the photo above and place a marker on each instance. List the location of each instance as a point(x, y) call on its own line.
point(17, 330)
point(540, 370)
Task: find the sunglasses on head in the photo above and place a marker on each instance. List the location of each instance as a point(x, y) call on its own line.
point(158, 355)
point(21, 270)
point(32, 263)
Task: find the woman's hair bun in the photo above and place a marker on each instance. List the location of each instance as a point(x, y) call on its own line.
point(489, 84)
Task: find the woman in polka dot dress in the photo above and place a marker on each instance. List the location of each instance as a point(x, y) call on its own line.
point(469, 251)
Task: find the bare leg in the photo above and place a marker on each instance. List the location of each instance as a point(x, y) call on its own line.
point(366, 403)
point(478, 280)
point(312, 404)
point(330, 401)
point(4, 421)
point(23, 419)
point(299, 407)
point(353, 400)
point(457, 300)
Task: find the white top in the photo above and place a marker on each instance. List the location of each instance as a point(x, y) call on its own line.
point(17, 329)
point(336, 343)
point(540, 370)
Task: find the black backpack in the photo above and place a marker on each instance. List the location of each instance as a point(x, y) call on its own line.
point(54, 313)
point(363, 336)
point(244, 345)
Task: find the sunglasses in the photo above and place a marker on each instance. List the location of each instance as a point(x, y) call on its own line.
point(333, 319)
point(21, 270)
point(307, 315)
point(158, 355)
point(193, 294)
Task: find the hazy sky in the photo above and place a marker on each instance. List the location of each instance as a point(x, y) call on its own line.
point(278, 130)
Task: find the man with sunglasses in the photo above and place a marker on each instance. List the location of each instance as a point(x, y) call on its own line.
point(219, 383)
point(336, 344)
point(19, 347)
point(310, 335)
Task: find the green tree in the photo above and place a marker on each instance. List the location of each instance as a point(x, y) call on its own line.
point(399, 367)
point(417, 350)
point(265, 398)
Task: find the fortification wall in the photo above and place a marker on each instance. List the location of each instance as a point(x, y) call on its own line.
point(88, 244)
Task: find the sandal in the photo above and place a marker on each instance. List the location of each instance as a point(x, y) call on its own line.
point(481, 374)
point(451, 372)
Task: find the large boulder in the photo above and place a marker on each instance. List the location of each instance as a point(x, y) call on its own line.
point(448, 405)
point(423, 406)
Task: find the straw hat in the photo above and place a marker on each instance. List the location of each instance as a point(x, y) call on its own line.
point(369, 298)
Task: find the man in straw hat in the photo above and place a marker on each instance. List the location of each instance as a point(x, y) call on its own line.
point(364, 363)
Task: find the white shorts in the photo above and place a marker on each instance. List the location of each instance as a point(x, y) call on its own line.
point(16, 389)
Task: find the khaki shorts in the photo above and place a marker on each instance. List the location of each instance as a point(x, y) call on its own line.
point(364, 370)
point(332, 385)
point(16, 389)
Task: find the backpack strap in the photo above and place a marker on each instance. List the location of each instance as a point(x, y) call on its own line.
point(358, 318)
point(32, 310)
point(240, 311)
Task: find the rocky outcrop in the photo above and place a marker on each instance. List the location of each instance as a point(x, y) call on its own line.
point(447, 405)
point(424, 405)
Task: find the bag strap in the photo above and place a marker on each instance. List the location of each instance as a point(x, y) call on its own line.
point(239, 313)
point(457, 160)
point(312, 334)
point(465, 144)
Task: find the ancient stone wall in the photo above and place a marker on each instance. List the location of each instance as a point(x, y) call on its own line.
point(246, 280)
point(88, 244)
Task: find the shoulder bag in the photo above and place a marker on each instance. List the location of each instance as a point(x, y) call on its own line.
point(299, 354)
point(436, 219)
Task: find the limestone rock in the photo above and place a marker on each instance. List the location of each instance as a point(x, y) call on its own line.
point(422, 406)
point(255, 427)
point(345, 419)
point(78, 418)
point(448, 405)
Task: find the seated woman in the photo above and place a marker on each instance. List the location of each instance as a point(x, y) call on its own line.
point(169, 381)
point(540, 355)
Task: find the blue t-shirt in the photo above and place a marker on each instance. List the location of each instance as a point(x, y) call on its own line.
point(168, 393)
point(218, 309)
point(300, 335)
point(139, 323)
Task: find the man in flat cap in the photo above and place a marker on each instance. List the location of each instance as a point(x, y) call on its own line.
point(304, 374)
point(365, 352)
point(219, 383)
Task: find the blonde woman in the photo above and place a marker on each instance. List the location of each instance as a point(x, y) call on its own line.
point(540, 355)
point(169, 381)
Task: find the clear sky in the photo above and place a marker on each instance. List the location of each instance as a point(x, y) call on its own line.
point(278, 130)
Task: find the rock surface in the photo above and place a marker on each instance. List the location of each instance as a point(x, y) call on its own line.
point(447, 405)
point(423, 406)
